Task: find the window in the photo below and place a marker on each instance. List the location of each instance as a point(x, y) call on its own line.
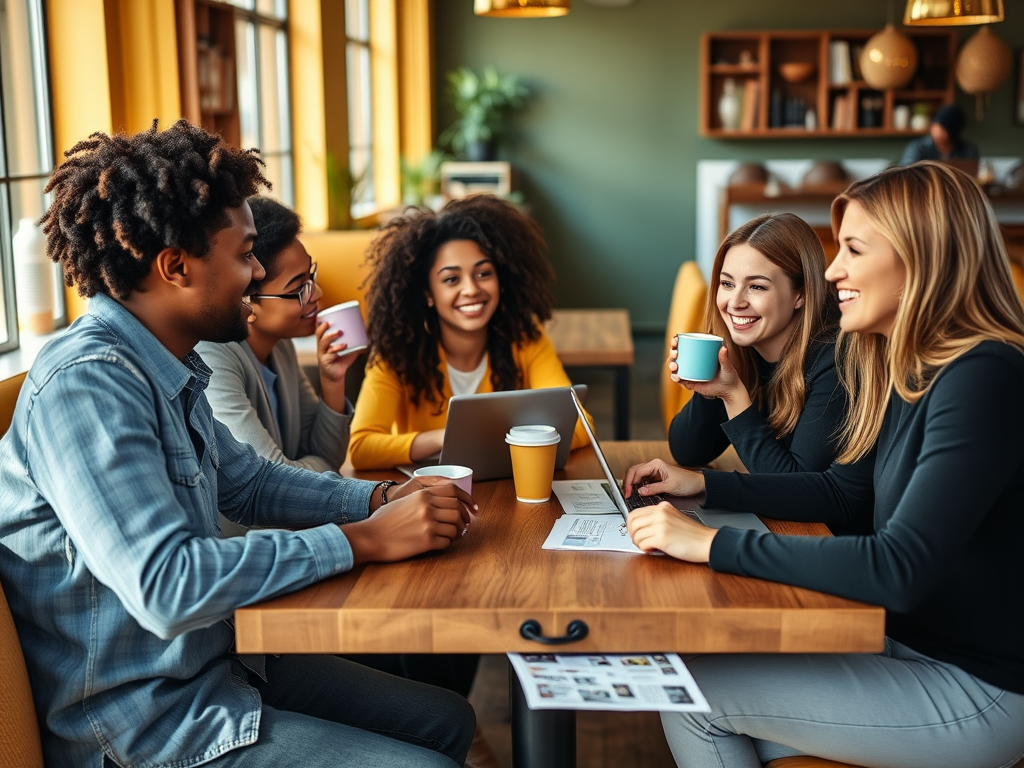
point(360, 106)
point(26, 155)
point(264, 102)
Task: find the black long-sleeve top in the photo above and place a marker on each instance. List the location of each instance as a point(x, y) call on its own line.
point(702, 429)
point(944, 489)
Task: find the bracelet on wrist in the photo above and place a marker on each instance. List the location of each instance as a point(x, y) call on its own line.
point(384, 485)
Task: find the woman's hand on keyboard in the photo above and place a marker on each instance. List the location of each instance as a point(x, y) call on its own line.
point(658, 477)
point(664, 528)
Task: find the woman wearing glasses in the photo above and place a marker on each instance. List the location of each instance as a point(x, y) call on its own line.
point(258, 390)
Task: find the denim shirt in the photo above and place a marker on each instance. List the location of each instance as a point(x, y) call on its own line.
point(111, 478)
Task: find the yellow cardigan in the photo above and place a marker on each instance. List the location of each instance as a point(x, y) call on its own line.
point(386, 422)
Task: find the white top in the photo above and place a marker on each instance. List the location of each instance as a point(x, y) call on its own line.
point(466, 382)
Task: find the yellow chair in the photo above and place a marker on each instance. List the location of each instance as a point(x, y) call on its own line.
point(19, 729)
point(339, 255)
point(685, 315)
point(9, 389)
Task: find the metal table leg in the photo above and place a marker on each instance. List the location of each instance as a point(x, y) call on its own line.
point(542, 738)
point(622, 373)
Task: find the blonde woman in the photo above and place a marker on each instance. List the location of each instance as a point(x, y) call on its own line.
point(776, 396)
point(933, 357)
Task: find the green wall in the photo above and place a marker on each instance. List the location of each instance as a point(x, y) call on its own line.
point(607, 150)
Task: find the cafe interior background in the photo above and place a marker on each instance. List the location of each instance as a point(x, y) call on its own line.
point(607, 151)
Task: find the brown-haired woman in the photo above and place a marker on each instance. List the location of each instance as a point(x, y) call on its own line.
point(776, 396)
point(933, 359)
point(455, 305)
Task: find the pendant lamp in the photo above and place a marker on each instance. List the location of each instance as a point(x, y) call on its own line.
point(521, 9)
point(950, 12)
point(984, 62)
point(889, 59)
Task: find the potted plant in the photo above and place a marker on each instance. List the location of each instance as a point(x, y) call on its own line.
point(481, 103)
point(421, 181)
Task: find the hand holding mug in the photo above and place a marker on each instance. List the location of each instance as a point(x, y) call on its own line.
point(330, 357)
point(429, 517)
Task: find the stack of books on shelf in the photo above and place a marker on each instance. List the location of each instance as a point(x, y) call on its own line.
point(844, 113)
point(748, 109)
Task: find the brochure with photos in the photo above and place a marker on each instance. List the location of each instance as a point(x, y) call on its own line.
point(626, 682)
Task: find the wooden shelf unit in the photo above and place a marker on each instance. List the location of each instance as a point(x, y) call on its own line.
point(207, 63)
point(752, 59)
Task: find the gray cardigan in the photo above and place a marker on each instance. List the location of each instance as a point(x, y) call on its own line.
point(311, 435)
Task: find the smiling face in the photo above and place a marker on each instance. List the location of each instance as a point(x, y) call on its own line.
point(463, 288)
point(225, 276)
point(868, 274)
point(757, 301)
point(285, 318)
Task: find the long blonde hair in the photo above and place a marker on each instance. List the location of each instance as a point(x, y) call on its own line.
point(958, 290)
point(790, 244)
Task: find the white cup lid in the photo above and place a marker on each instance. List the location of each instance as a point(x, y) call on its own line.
point(532, 434)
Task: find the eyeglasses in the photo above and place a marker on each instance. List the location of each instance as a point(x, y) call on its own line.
point(304, 293)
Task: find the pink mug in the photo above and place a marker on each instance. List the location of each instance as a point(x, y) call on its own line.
point(347, 319)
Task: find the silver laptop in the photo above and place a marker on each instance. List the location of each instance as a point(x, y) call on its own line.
point(474, 434)
point(689, 506)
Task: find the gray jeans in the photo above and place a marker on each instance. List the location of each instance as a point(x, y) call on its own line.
point(328, 712)
point(897, 709)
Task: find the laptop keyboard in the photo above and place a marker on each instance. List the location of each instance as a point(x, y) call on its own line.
point(635, 500)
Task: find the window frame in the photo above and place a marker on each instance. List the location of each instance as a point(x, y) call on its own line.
point(258, 19)
point(44, 128)
point(359, 210)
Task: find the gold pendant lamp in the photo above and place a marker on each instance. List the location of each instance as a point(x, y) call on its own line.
point(950, 12)
point(521, 9)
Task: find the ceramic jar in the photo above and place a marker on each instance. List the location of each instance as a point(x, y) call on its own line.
point(33, 279)
point(729, 106)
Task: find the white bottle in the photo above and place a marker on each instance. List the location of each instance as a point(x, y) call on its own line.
point(33, 279)
point(729, 105)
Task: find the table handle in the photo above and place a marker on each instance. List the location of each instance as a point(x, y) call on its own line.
point(577, 630)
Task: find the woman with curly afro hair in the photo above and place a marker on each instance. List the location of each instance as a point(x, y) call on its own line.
point(456, 300)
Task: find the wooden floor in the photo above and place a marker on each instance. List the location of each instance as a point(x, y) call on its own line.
point(603, 740)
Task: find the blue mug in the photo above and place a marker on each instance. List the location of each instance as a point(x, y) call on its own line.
point(697, 356)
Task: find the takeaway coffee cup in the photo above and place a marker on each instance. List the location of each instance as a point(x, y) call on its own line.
point(347, 319)
point(533, 448)
point(460, 476)
point(697, 356)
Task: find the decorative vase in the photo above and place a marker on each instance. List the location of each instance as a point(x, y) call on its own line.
point(729, 106)
point(33, 279)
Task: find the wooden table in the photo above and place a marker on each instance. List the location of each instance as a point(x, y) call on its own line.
point(475, 597)
point(599, 338)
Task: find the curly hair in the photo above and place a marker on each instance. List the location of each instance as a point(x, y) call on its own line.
point(119, 200)
point(277, 226)
point(403, 331)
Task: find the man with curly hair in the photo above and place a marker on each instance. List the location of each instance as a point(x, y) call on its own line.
point(114, 470)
